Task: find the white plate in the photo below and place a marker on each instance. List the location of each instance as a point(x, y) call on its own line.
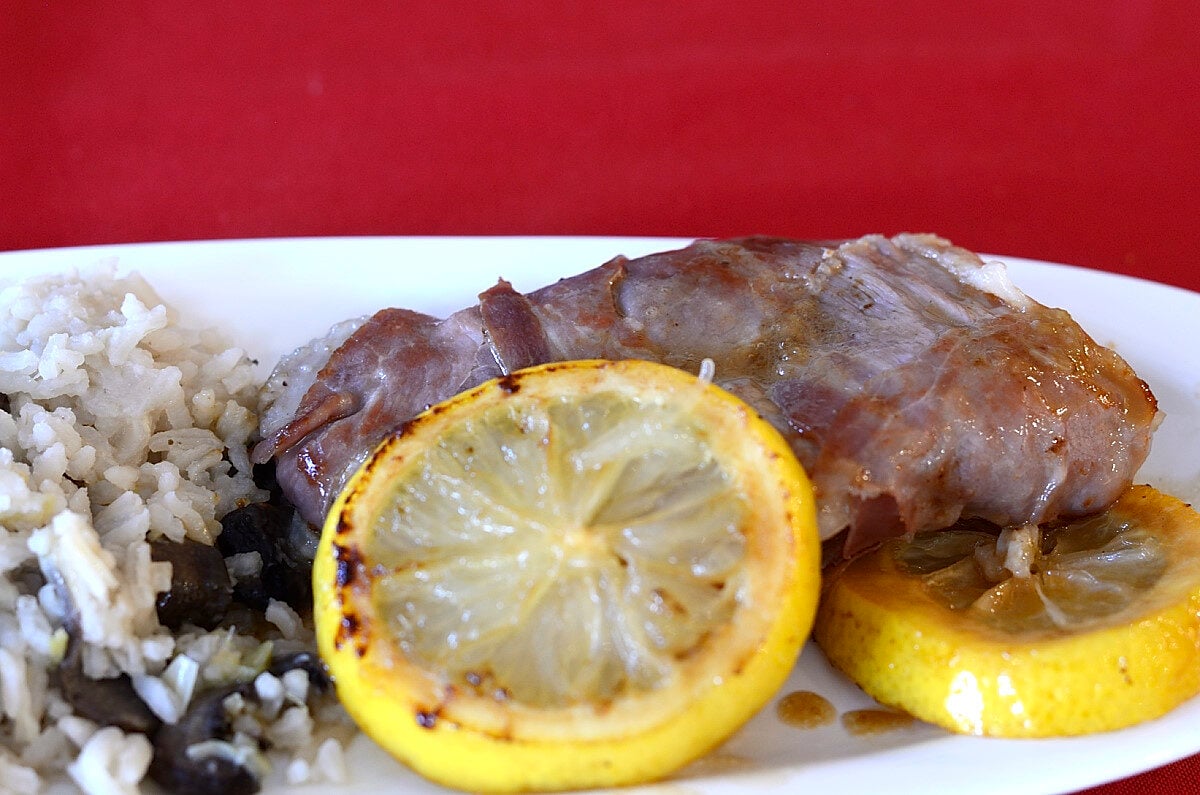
point(272, 295)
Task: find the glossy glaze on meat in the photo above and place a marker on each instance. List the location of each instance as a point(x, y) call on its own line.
point(914, 382)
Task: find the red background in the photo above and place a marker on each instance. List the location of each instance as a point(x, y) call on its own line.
point(1059, 131)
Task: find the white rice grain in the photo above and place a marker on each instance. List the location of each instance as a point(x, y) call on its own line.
point(290, 625)
point(112, 763)
point(270, 694)
point(17, 778)
point(18, 696)
point(331, 762)
point(293, 730)
point(295, 685)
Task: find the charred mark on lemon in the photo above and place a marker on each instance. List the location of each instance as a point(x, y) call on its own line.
point(351, 633)
point(348, 563)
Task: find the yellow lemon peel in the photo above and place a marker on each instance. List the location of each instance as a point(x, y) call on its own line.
point(1097, 628)
point(583, 574)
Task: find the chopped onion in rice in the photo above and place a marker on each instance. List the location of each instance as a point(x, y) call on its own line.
point(168, 695)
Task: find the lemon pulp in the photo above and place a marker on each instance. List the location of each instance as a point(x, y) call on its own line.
point(606, 548)
point(1088, 626)
point(584, 574)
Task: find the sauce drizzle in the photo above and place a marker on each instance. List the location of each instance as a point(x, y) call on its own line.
point(805, 709)
point(863, 722)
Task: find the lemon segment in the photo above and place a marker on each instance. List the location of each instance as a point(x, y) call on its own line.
point(1101, 631)
point(583, 574)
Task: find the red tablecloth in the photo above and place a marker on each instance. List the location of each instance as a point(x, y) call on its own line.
point(1059, 131)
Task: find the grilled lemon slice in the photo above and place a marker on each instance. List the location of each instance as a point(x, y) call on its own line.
point(583, 574)
point(1086, 627)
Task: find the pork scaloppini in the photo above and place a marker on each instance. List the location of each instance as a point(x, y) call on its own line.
point(915, 383)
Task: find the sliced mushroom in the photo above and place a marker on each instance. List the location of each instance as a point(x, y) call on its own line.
point(200, 591)
point(195, 756)
point(200, 754)
point(108, 702)
point(285, 574)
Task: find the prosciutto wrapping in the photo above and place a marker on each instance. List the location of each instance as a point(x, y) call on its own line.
point(916, 384)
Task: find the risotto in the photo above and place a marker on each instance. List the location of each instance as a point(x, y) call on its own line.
point(123, 442)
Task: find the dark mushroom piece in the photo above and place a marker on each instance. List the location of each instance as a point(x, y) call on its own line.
point(200, 591)
point(286, 572)
point(108, 702)
point(180, 769)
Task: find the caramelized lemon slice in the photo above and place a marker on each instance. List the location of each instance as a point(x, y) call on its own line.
point(1086, 627)
point(583, 574)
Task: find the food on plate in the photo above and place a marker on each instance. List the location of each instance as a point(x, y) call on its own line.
point(577, 575)
point(154, 581)
point(1085, 626)
point(125, 649)
point(915, 383)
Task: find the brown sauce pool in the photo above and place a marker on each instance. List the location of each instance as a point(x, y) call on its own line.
point(863, 722)
point(805, 709)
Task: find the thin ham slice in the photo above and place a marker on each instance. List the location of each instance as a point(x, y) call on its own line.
point(916, 384)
